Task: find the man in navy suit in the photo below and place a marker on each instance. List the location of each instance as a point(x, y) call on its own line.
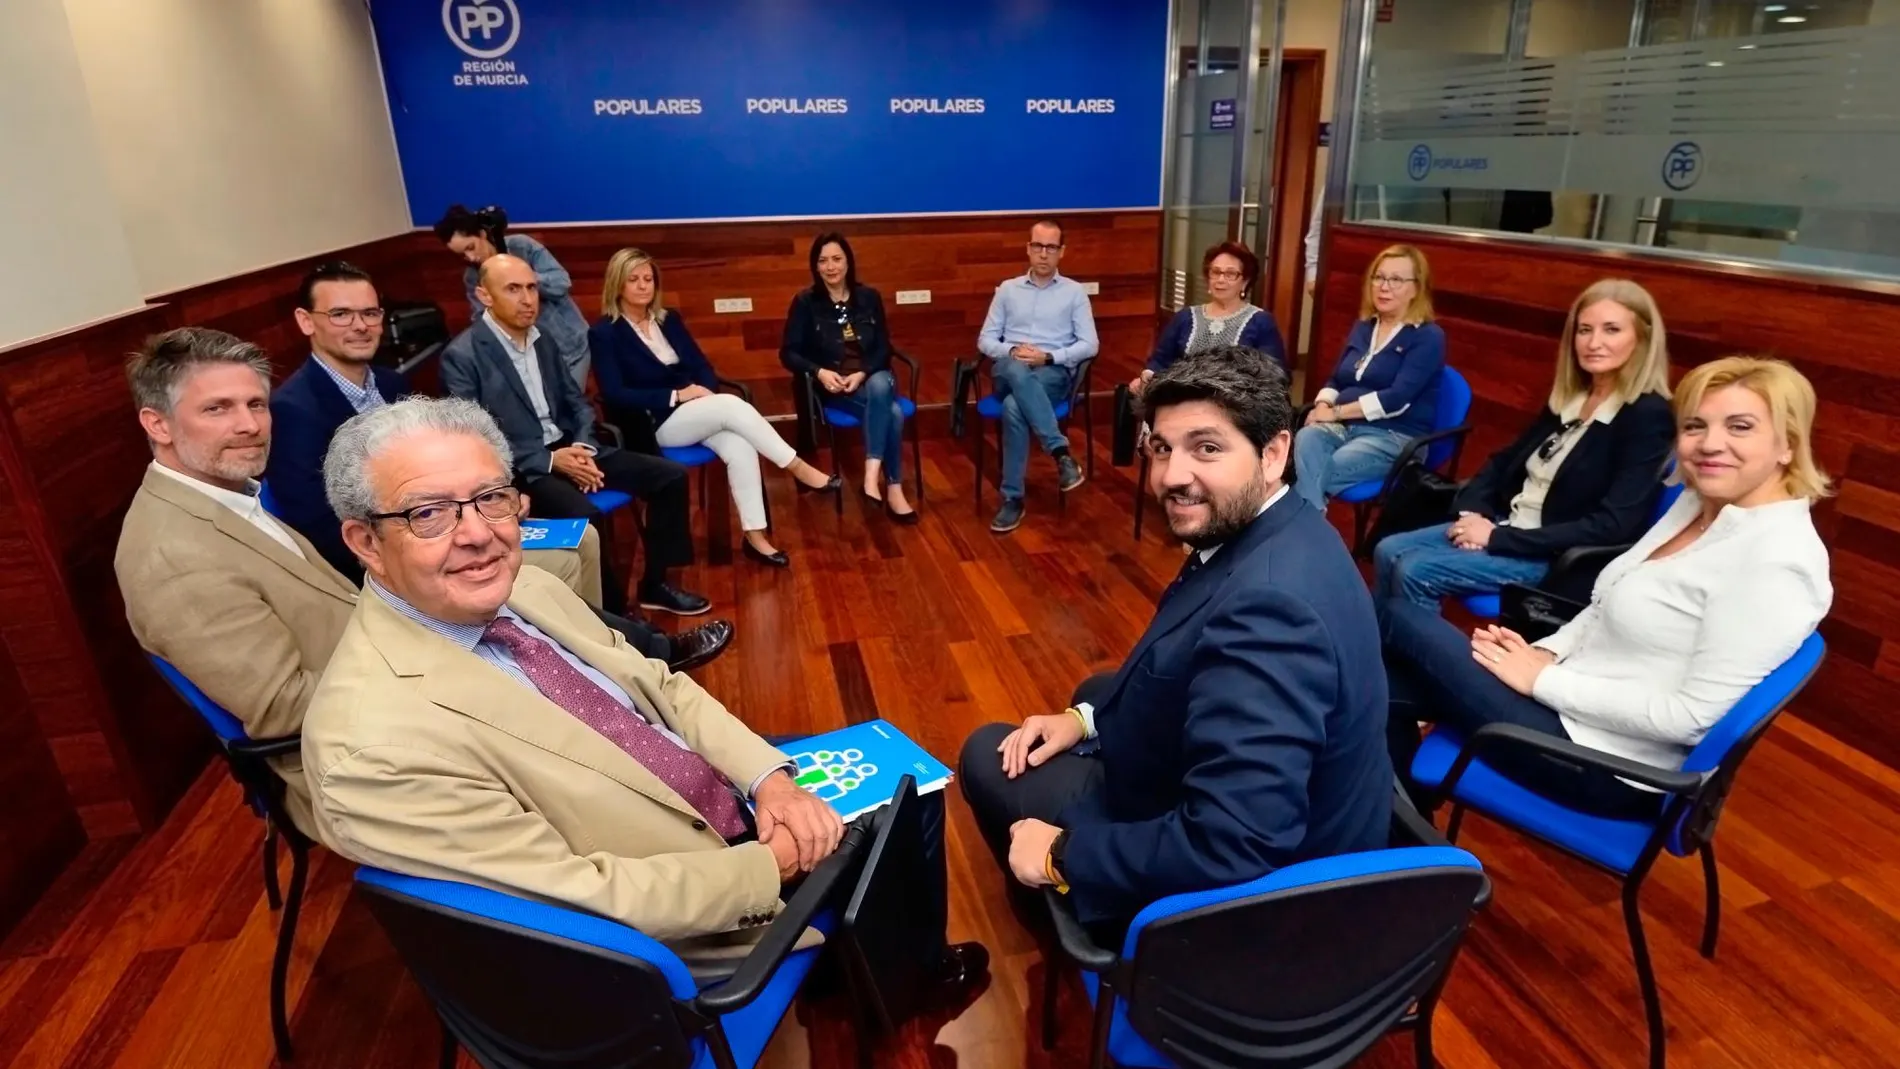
point(505, 364)
point(339, 312)
point(1246, 731)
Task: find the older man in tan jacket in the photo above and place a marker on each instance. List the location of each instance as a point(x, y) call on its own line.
point(237, 600)
point(477, 723)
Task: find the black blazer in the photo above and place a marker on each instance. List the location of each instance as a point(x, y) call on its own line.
point(631, 378)
point(1602, 495)
point(814, 339)
point(305, 414)
point(1245, 731)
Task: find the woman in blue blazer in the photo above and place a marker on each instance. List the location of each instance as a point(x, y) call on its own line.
point(1228, 317)
point(647, 363)
point(1584, 472)
point(1385, 389)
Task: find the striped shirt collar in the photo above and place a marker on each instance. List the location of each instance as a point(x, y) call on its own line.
point(361, 398)
point(462, 636)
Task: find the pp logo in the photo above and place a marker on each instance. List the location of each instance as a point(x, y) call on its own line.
point(1418, 163)
point(485, 29)
point(1682, 165)
point(532, 533)
point(832, 774)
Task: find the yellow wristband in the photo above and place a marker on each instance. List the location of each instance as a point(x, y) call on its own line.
point(1080, 719)
point(1049, 870)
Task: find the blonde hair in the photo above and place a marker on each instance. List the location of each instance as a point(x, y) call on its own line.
point(1419, 310)
point(619, 269)
point(1647, 369)
point(1791, 404)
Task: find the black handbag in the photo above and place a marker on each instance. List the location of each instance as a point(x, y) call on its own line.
point(1419, 497)
point(1127, 426)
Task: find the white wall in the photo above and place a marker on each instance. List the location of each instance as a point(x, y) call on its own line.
point(237, 133)
point(67, 259)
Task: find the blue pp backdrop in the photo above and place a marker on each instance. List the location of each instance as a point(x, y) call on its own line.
point(585, 110)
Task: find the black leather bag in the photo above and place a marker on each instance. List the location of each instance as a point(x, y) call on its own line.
point(1419, 497)
point(1127, 426)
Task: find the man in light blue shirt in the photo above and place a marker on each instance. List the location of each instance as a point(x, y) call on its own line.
point(1039, 331)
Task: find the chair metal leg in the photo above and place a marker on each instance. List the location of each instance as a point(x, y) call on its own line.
point(271, 892)
point(1645, 972)
point(1361, 527)
point(1422, 1034)
point(978, 488)
point(1088, 424)
point(1051, 988)
point(1712, 913)
point(1104, 1020)
point(1457, 820)
point(917, 459)
point(447, 1057)
point(280, 963)
point(1141, 496)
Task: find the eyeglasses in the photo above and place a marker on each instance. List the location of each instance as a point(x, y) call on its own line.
point(1390, 282)
point(1556, 441)
point(1224, 274)
point(341, 317)
point(1037, 246)
point(433, 519)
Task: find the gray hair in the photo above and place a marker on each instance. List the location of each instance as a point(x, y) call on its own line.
point(157, 371)
point(346, 465)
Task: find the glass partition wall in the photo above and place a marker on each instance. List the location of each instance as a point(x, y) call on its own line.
point(1736, 129)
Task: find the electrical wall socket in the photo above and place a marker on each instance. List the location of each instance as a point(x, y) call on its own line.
point(1091, 288)
point(725, 305)
point(913, 296)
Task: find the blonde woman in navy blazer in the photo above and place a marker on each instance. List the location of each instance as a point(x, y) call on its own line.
point(645, 360)
point(1385, 389)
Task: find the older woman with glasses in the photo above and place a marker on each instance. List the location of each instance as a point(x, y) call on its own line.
point(648, 364)
point(1385, 389)
point(1585, 472)
point(1228, 317)
point(1722, 590)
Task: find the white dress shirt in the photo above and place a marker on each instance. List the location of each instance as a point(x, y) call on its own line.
point(528, 365)
point(246, 505)
point(1667, 646)
point(1527, 508)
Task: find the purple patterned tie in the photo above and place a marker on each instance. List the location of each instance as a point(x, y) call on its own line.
point(676, 766)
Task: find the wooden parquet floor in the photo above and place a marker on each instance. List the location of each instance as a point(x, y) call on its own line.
point(157, 952)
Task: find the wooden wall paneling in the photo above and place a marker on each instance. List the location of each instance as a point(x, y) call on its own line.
point(1502, 303)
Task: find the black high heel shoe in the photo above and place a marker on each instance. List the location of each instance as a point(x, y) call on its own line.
point(774, 559)
point(833, 486)
point(908, 519)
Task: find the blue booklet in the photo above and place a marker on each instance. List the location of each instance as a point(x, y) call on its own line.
point(856, 769)
point(552, 534)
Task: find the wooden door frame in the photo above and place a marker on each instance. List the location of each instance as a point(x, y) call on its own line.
point(1281, 288)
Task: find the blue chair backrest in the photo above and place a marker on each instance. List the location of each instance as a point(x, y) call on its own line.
point(267, 499)
point(226, 727)
point(1307, 965)
point(1454, 406)
point(526, 983)
point(1729, 740)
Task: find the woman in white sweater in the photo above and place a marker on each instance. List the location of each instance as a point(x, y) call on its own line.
point(1721, 591)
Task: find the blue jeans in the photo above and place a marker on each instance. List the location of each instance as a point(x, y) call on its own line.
point(1422, 566)
point(1029, 404)
point(1329, 457)
point(875, 405)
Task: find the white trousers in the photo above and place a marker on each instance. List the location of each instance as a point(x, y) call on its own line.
point(733, 429)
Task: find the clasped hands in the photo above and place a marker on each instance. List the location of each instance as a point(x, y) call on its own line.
point(836, 383)
point(1470, 531)
point(576, 463)
point(801, 829)
point(1322, 412)
point(1030, 355)
point(1029, 746)
point(1504, 653)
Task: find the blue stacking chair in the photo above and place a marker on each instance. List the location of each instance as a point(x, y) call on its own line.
point(990, 407)
point(1453, 766)
point(1487, 606)
point(1438, 451)
point(248, 760)
point(529, 985)
point(1303, 968)
point(835, 417)
point(692, 457)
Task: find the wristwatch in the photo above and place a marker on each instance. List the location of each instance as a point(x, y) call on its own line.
point(1052, 865)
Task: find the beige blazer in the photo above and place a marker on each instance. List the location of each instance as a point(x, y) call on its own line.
point(248, 621)
point(427, 760)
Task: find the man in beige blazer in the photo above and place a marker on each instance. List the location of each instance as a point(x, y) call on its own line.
point(238, 601)
point(477, 723)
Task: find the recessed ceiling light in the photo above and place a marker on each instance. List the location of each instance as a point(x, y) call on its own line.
point(1772, 8)
point(1716, 63)
point(1792, 18)
point(1745, 48)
